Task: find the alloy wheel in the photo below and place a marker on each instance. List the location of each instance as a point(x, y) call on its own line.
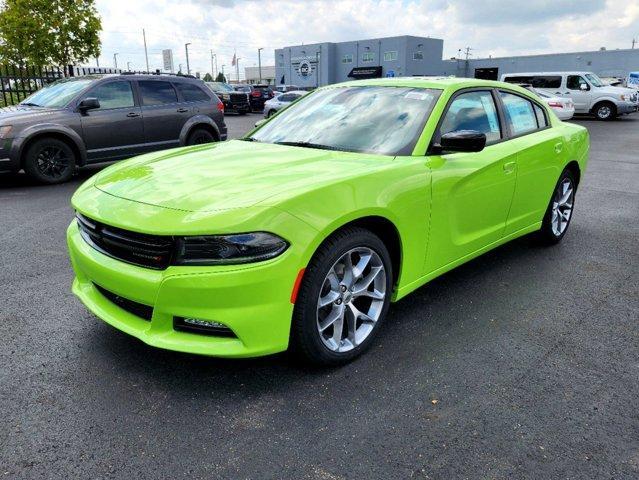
point(52, 162)
point(604, 112)
point(562, 204)
point(351, 299)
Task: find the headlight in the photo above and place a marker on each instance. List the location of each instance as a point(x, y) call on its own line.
point(225, 96)
point(229, 249)
point(4, 131)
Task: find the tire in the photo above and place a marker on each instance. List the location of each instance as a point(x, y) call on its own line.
point(271, 113)
point(562, 204)
point(49, 161)
point(200, 136)
point(327, 280)
point(605, 111)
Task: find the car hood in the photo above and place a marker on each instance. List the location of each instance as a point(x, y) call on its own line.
point(616, 90)
point(229, 175)
point(22, 111)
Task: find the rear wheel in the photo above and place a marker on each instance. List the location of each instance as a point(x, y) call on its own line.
point(560, 209)
point(343, 299)
point(49, 161)
point(200, 136)
point(271, 113)
point(605, 111)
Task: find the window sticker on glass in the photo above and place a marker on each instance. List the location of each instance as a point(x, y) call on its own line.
point(488, 104)
point(519, 113)
point(418, 96)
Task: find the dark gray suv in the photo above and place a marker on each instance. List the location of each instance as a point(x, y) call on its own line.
point(97, 118)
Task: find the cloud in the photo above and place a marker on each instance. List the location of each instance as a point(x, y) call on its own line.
point(490, 27)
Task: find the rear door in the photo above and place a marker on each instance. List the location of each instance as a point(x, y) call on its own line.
point(472, 192)
point(196, 98)
point(115, 130)
point(540, 153)
point(164, 116)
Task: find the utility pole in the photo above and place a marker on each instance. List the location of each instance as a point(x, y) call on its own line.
point(212, 69)
point(146, 53)
point(237, 68)
point(115, 60)
point(188, 68)
point(634, 41)
point(128, 66)
point(259, 63)
point(468, 54)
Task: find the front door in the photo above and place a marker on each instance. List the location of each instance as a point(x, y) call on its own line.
point(115, 130)
point(579, 90)
point(471, 192)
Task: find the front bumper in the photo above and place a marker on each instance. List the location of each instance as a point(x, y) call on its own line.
point(8, 162)
point(252, 300)
point(627, 107)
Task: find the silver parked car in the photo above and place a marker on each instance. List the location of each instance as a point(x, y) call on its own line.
point(274, 105)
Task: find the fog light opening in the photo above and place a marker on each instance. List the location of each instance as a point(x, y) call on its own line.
point(202, 327)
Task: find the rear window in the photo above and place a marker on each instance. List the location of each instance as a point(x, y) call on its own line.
point(157, 92)
point(192, 93)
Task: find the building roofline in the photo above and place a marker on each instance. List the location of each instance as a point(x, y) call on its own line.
point(621, 50)
point(361, 40)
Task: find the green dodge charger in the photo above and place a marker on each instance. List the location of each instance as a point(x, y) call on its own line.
point(300, 234)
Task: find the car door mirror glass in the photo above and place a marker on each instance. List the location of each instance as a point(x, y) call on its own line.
point(90, 103)
point(463, 141)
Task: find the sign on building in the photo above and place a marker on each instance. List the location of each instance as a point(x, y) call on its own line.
point(167, 58)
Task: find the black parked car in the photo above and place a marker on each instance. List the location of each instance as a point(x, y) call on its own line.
point(258, 95)
point(96, 118)
point(233, 101)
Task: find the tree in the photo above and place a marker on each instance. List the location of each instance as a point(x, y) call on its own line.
point(208, 77)
point(49, 32)
point(220, 78)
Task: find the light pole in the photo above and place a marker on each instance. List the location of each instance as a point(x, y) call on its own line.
point(259, 63)
point(212, 69)
point(188, 68)
point(223, 72)
point(180, 69)
point(237, 68)
point(115, 60)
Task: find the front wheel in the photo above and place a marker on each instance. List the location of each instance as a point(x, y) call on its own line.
point(343, 299)
point(560, 209)
point(49, 161)
point(605, 111)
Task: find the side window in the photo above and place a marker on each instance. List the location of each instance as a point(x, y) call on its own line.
point(551, 81)
point(113, 95)
point(473, 111)
point(154, 92)
point(519, 113)
point(286, 97)
point(192, 93)
point(574, 82)
point(541, 116)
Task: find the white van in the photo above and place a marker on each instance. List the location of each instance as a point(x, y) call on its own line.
point(587, 91)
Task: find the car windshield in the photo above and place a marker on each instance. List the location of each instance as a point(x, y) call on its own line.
point(382, 120)
point(219, 86)
point(57, 94)
point(243, 88)
point(594, 79)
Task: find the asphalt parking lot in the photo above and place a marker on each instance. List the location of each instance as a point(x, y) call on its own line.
point(523, 363)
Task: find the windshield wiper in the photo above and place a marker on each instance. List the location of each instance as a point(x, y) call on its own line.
point(30, 104)
point(309, 145)
point(249, 139)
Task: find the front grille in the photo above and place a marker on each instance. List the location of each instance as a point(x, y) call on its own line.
point(239, 98)
point(152, 251)
point(134, 308)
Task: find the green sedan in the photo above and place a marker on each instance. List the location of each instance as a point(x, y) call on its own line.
point(299, 235)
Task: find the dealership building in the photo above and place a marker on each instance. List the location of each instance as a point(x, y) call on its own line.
point(404, 56)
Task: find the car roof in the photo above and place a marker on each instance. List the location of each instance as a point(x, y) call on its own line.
point(424, 82)
point(138, 76)
point(566, 72)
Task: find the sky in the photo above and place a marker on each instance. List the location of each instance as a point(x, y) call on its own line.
point(489, 27)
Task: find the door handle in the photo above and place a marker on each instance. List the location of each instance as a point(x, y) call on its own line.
point(509, 167)
point(132, 114)
point(182, 110)
point(559, 147)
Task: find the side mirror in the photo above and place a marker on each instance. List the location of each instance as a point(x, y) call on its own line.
point(90, 103)
point(584, 87)
point(462, 141)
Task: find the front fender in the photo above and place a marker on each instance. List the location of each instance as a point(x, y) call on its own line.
point(604, 98)
point(29, 133)
point(195, 121)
